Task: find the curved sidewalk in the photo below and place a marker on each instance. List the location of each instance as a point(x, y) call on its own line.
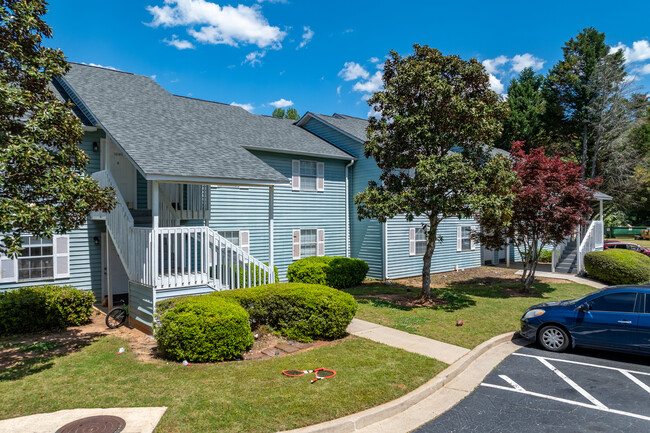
point(439, 394)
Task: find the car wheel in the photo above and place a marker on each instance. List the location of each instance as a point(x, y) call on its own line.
point(553, 338)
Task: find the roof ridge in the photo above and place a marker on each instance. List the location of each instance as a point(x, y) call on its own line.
point(348, 116)
point(103, 67)
point(204, 100)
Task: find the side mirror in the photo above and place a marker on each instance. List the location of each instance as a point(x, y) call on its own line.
point(584, 307)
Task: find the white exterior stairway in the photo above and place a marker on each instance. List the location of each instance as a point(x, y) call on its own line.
point(569, 255)
point(175, 256)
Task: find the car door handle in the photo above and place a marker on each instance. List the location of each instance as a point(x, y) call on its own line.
point(625, 322)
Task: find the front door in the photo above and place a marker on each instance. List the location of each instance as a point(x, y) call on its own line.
point(610, 323)
point(124, 174)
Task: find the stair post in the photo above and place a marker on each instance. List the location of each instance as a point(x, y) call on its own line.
point(553, 260)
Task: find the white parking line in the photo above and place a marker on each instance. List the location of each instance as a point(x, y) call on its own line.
point(635, 380)
point(582, 363)
point(574, 385)
point(512, 383)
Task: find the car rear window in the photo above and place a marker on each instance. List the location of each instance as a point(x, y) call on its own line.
point(614, 302)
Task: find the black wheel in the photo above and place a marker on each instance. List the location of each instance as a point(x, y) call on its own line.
point(116, 317)
point(553, 338)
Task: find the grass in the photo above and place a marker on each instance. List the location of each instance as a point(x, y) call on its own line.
point(488, 307)
point(249, 396)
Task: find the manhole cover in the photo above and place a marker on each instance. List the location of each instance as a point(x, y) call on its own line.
point(94, 424)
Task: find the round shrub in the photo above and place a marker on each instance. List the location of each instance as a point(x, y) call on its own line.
point(202, 329)
point(44, 308)
point(296, 310)
point(616, 266)
point(338, 272)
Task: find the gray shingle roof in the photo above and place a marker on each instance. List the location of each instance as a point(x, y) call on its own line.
point(353, 126)
point(168, 135)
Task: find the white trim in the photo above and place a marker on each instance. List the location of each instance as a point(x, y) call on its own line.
point(385, 243)
point(320, 242)
point(347, 209)
point(320, 176)
point(295, 175)
point(271, 229)
point(307, 154)
point(58, 252)
point(215, 181)
point(472, 242)
point(412, 243)
point(459, 239)
point(11, 266)
point(245, 240)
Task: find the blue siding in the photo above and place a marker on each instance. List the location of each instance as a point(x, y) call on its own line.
point(247, 209)
point(445, 257)
point(85, 256)
point(366, 236)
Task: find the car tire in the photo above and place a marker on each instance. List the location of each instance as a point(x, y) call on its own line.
point(553, 338)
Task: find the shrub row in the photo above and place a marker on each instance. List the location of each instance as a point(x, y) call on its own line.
point(338, 272)
point(41, 308)
point(217, 326)
point(617, 266)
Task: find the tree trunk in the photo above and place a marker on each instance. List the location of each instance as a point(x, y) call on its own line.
point(530, 266)
point(432, 234)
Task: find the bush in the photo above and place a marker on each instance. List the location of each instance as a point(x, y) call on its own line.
point(296, 310)
point(202, 329)
point(338, 272)
point(616, 266)
point(545, 256)
point(43, 308)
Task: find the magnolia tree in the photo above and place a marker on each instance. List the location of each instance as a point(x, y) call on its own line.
point(44, 188)
point(435, 114)
point(550, 202)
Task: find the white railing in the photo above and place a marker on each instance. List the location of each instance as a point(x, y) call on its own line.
point(189, 200)
point(592, 240)
point(557, 253)
point(167, 215)
point(179, 256)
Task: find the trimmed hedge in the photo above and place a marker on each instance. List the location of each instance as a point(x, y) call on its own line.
point(202, 329)
point(296, 310)
point(43, 308)
point(617, 266)
point(545, 256)
point(338, 272)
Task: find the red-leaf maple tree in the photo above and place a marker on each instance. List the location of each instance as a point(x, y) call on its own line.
point(551, 200)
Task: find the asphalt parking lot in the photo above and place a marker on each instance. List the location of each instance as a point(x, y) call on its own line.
point(536, 390)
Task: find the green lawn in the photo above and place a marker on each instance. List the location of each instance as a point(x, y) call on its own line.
point(251, 396)
point(488, 307)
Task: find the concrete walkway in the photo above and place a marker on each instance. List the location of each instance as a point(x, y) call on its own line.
point(568, 277)
point(137, 419)
point(447, 353)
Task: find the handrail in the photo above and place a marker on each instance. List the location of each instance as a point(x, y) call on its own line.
point(592, 241)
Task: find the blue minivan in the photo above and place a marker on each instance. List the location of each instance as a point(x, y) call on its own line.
point(614, 318)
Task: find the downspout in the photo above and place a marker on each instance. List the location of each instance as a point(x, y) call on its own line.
point(347, 210)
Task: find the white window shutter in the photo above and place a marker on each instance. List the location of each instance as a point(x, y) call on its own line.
point(320, 176)
point(8, 269)
point(412, 241)
point(295, 175)
point(459, 238)
point(296, 244)
point(320, 251)
point(473, 243)
point(244, 241)
point(61, 256)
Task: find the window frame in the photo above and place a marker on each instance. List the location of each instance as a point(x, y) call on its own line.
point(460, 241)
point(420, 241)
point(302, 242)
point(304, 176)
point(28, 258)
point(222, 233)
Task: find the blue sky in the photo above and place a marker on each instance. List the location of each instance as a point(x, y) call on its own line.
point(323, 56)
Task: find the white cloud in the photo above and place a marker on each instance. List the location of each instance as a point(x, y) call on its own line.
point(153, 77)
point(272, 1)
point(281, 103)
point(374, 59)
point(254, 58)
point(181, 44)
point(306, 37)
point(644, 70)
point(492, 65)
point(352, 71)
point(100, 66)
point(523, 61)
point(338, 91)
point(372, 85)
point(220, 24)
point(373, 113)
point(496, 84)
point(247, 107)
point(639, 52)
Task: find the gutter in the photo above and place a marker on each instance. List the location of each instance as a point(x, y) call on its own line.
point(347, 210)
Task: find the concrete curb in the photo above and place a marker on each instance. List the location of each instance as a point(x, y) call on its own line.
point(357, 421)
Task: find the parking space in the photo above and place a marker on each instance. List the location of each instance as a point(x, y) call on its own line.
point(581, 391)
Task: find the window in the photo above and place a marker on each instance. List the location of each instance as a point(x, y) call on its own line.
point(417, 241)
point(308, 243)
point(231, 236)
point(464, 239)
point(36, 261)
point(614, 302)
point(307, 176)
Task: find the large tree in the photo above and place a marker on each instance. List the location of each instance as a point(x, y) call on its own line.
point(44, 188)
point(436, 116)
point(526, 102)
point(550, 202)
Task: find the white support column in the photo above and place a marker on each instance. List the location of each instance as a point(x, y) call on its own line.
point(507, 253)
point(271, 217)
point(155, 203)
point(107, 153)
point(109, 292)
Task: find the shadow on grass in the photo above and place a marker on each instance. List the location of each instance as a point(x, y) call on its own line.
point(493, 287)
point(444, 300)
point(23, 355)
